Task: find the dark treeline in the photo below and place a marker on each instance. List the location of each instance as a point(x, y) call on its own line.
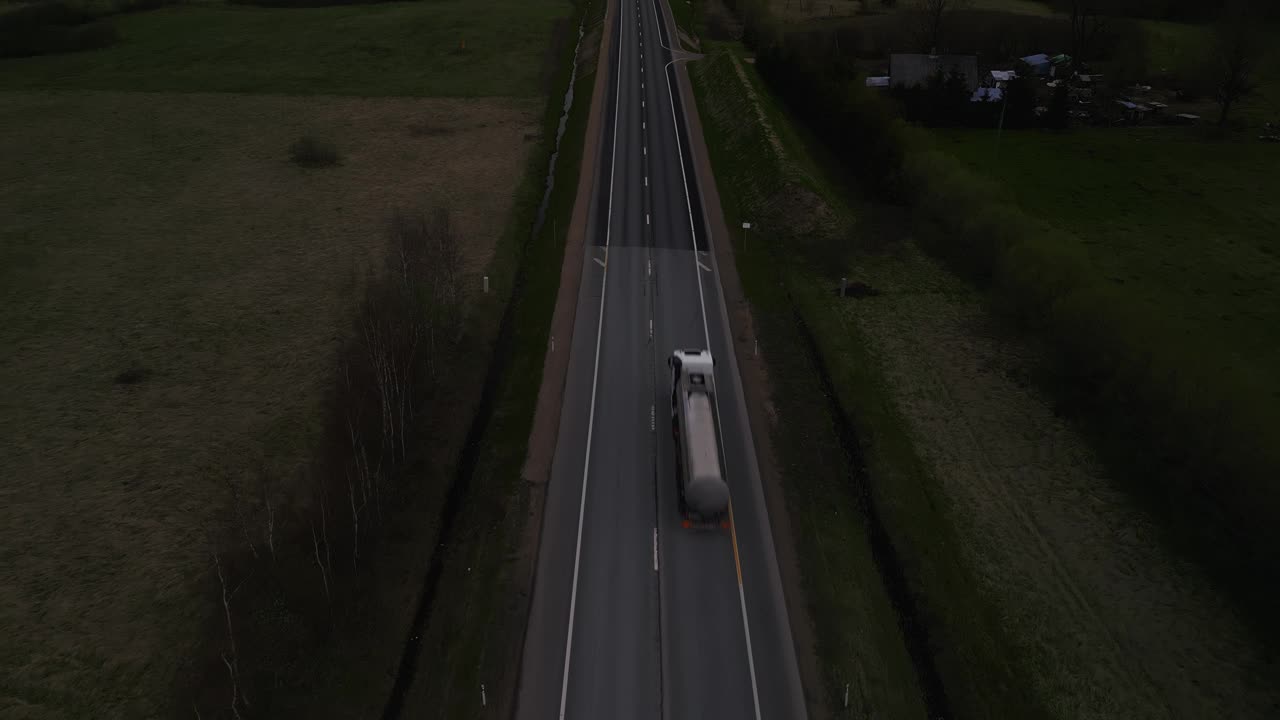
point(56, 26)
point(1180, 10)
point(828, 93)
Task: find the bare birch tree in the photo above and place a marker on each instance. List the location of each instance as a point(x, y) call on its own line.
point(931, 18)
point(1087, 23)
point(232, 658)
point(1238, 46)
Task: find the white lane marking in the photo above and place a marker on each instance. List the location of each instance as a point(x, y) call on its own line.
point(641, 103)
point(650, 340)
point(646, 181)
point(646, 218)
point(704, 267)
point(600, 262)
point(655, 549)
point(652, 419)
point(644, 125)
point(648, 266)
point(742, 598)
point(595, 380)
point(646, 149)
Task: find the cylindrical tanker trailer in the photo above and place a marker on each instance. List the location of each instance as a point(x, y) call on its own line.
point(704, 495)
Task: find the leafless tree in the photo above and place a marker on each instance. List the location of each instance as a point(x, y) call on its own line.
point(324, 525)
point(264, 484)
point(232, 658)
point(1087, 22)
point(367, 476)
point(271, 527)
point(237, 504)
point(931, 17)
point(324, 573)
point(1238, 46)
point(355, 513)
point(447, 263)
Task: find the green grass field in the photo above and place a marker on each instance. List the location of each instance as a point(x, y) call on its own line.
point(1187, 227)
point(437, 48)
point(176, 290)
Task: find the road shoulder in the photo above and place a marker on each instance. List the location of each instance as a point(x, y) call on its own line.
point(546, 420)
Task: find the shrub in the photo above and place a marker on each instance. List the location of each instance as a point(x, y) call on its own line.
point(825, 90)
point(308, 151)
point(132, 6)
point(51, 27)
point(304, 3)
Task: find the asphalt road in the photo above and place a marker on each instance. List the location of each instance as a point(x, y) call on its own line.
point(634, 616)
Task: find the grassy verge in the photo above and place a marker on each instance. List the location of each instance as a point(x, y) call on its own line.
point(686, 15)
point(860, 643)
point(478, 619)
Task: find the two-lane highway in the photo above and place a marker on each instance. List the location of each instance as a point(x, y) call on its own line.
point(634, 616)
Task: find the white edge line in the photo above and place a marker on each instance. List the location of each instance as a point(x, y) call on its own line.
point(655, 549)
point(595, 378)
point(742, 598)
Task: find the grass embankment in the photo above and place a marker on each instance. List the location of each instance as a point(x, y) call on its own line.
point(176, 292)
point(859, 639)
point(475, 632)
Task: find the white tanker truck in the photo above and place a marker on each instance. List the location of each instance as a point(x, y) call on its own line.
point(704, 496)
